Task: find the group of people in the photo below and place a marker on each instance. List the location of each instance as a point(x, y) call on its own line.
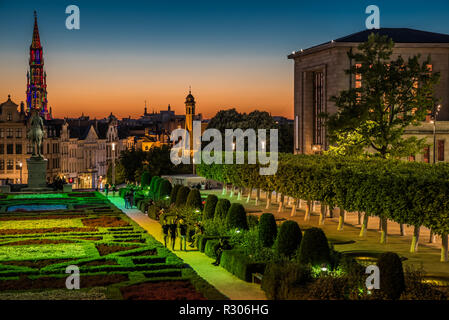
point(174, 228)
point(177, 227)
point(129, 198)
point(106, 189)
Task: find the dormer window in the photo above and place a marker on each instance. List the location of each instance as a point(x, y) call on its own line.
point(9, 116)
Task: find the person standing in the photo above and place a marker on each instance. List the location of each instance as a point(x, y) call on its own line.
point(182, 234)
point(125, 197)
point(173, 231)
point(165, 230)
point(113, 190)
point(106, 189)
point(131, 197)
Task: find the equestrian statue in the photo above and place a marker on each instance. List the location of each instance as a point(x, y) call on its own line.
point(36, 133)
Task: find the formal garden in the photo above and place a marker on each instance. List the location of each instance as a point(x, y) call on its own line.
point(294, 262)
point(42, 234)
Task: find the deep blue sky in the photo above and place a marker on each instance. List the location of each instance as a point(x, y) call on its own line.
point(237, 47)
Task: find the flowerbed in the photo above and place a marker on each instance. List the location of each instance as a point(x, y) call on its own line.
point(107, 246)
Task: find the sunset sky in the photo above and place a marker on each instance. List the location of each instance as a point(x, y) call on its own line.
point(232, 53)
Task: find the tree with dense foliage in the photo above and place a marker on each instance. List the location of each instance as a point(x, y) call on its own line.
point(289, 238)
point(209, 207)
point(236, 217)
point(231, 119)
point(194, 199)
point(267, 229)
point(392, 282)
point(181, 197)
point(314, 247)
point(221, 209)
point(393, 95)
point(156, 161)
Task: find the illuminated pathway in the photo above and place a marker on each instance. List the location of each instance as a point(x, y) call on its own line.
point(222, 280)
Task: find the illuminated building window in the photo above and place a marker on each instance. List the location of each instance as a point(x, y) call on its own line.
point(10, 165)
point(318, 107)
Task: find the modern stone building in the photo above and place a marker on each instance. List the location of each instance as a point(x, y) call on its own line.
point(319, 74)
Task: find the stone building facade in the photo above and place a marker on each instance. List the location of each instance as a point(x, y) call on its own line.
point(14, 146)
point(319, 74)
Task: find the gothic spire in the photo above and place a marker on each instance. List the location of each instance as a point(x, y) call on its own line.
point(36, 43)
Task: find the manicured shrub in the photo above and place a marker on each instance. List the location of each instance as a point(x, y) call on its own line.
point(392, 282)
point(194, 199)
point(267, 229)
point(236, 217)
point(314, 247)
point(164, 189)
point(181, 197)
point(221, 209)
point(145, 180)
point(240, 265)
point(209, 207)
point(174, 193)
point(289, 238)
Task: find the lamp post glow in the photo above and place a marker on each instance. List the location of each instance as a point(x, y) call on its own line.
point(113, 163)
point(434, 121)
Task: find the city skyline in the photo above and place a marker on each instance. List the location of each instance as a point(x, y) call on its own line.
point(158, 50)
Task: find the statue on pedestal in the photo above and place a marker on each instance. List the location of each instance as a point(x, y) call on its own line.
point(36, 133)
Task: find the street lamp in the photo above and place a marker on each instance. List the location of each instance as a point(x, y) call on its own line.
point(433, 120)
point(20, 165)
point(113, 163)
point(433, 117)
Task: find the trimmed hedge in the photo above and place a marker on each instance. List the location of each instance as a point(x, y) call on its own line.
point(194, 199)
point(236, 217)
point(289, 238)
point(392, 282)
point(267, 230)
point(209, 207)
point(279, 279)
point(240, 265)
point(174, 193)
point(181, 197)
point(221, 209)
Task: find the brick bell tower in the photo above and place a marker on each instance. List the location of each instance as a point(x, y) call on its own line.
point(190, 114)
point(37, 77)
